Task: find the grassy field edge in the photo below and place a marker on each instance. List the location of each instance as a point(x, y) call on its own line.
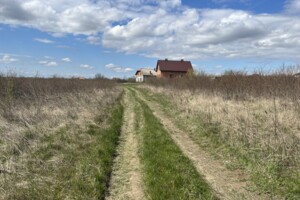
point(72, 163)
point(264, 177)
point(107, 148)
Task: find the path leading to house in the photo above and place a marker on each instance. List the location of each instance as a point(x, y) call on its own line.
point(130, 171)
point(126, 180)
point(227, 184)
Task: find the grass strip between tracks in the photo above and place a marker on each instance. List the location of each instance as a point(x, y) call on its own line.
point(168, 174)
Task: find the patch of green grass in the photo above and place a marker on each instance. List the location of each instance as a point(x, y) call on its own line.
point(71, 163)
point(106, 151)
point(164, 102)
point(168, 174)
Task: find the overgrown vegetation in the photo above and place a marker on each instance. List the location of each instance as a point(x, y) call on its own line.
point(168, 174)
point(252, 121)
point(237, 85)
point(71, 163)
point(16, 91)
point(58, 138)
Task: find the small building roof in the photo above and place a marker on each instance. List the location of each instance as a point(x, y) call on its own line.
point(173, 65)
point(137, 72)
point(146, 72)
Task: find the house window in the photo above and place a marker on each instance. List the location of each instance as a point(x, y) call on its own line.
point(171, 75)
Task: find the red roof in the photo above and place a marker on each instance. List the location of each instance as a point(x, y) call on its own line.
point(172, 65)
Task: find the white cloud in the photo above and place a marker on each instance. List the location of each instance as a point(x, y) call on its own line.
point(8, 59)
point(16, 55)
point(66, 60)
point(87, 17)
point(164, 28)
point(61, 17)
point(43, 40)
point(48, 63)
point(93, 40)
point(52, 64)
point(48, 57)
point(128, 69)
point(85, 66)
point(208, 33)
point(110, 66)
point(44, 62)
point(118, 69)
point(293, 7)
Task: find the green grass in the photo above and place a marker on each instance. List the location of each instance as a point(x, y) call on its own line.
point(168, 174)
point(71, 163)
point(106, 151)
point(163, 100)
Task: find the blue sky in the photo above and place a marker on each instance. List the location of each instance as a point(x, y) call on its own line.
point(117, 37)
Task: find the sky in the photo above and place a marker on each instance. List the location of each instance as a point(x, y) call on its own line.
point(82, 38)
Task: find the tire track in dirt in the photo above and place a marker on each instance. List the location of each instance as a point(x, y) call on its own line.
point(227, 184)
point(126, 181)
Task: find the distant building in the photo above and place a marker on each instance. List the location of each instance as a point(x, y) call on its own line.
point(144, 74)
point(171, 68)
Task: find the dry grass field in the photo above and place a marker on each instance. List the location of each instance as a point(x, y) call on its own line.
point(230, 137)
point(253, 122)
point(49, 136)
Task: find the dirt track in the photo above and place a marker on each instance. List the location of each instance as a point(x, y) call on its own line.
point(226, 183)
point(126, 182)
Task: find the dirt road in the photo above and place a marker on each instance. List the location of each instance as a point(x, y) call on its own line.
point(126, 182)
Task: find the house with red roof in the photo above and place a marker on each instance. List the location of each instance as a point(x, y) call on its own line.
point(172, 68)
